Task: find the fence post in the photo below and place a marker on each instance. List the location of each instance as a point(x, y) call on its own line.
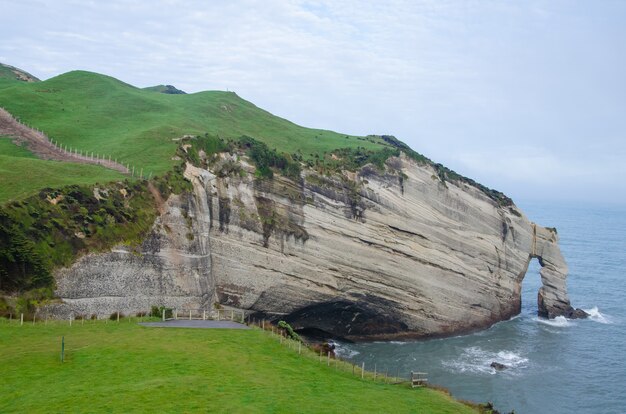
point(362, 370)
point(21, 319)
point(163, 314)
point(70, 319)
point(243, 316)
point(118, 316)
point(204, 315)
point(189, 314)
point(374, 372)
point(328, 359)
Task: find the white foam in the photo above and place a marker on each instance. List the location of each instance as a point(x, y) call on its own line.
point(558, 322)
point(345, 352)
point(595, 315)
point(478, 361)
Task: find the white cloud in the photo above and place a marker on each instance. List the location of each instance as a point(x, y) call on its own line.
point(455, 79)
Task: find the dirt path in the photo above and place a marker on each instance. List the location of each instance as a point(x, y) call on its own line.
point(41, 146)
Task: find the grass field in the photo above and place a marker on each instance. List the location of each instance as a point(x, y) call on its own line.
point(98, 113)
point(21, 174)
point(123, 367)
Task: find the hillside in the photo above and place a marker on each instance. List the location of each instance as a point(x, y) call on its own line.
point(123, 367)
point(98, 113)
point(11, 73)
point(22, 174)
point(169, 89)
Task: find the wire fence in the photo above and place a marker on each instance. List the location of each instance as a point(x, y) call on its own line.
point(94, 157)
point(312, 351)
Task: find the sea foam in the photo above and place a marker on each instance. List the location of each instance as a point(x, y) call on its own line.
point(478, 361)
point(596, 316)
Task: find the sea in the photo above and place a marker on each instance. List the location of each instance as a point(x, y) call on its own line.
point(554, 366)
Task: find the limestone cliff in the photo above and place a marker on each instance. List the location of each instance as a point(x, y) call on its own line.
point(362, 255)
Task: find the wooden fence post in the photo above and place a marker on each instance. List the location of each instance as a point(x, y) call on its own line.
point(204, 315)
point(118, 316)
point(21, 319)
point(189, 314)
point(163, 314)
point(362, 370)
point(374, 372)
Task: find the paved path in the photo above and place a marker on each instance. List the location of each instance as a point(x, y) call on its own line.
point(182, 323)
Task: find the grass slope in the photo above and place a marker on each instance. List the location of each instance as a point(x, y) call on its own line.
point(101, 114)
point(21, 174)
point(13, 74)
point(127, 368)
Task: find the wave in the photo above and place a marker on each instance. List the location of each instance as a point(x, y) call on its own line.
point(478, 361)
point(596, 316)
point(558, 322)
point(344, 351)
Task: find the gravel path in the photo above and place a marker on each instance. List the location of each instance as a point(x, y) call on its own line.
point(41, 146)
point(182, 323)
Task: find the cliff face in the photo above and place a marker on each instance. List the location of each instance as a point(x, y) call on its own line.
point(364, 255)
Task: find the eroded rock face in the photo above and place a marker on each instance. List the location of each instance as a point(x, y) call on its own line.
point(368, 255)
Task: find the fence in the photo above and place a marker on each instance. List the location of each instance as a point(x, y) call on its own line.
point(205, 314)
point(314, 352)
point(89, 156)
point(333, 361)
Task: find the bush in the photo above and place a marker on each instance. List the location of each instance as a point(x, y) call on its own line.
point(290, 332)
point(157, 312)
point(113, 316)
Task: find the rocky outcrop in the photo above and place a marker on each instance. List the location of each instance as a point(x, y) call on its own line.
point(365, 255)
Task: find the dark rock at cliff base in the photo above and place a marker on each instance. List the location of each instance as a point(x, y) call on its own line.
point(498, 366)
point(578, 314)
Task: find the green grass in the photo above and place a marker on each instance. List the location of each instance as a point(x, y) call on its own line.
point(21, 174)
point(127, 368)
point(98, 113)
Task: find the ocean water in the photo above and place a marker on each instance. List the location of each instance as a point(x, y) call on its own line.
point(555, 366)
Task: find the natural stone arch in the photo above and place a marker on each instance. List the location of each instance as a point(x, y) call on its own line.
point(552, 298)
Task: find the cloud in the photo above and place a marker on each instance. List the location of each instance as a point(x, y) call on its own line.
point(479, 85)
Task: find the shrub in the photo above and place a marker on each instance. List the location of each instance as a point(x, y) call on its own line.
point(157, 311)
point(290, 332)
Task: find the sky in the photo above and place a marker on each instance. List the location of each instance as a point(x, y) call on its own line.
point(527, 97)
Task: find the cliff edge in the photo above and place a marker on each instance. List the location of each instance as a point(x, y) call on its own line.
point(373, 254)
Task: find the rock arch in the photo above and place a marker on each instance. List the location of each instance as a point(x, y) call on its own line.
point(552, 299)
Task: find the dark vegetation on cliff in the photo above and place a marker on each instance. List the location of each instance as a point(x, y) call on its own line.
point(54, 227)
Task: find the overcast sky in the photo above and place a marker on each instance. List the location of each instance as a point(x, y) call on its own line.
point(528, 97)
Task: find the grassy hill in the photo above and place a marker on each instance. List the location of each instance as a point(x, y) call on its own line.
point(22, 174)
point(98, 113)
point(10, 73)
point(165, 89)
point(123, 367)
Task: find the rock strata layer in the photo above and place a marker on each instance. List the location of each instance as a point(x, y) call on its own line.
point(366, 255)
